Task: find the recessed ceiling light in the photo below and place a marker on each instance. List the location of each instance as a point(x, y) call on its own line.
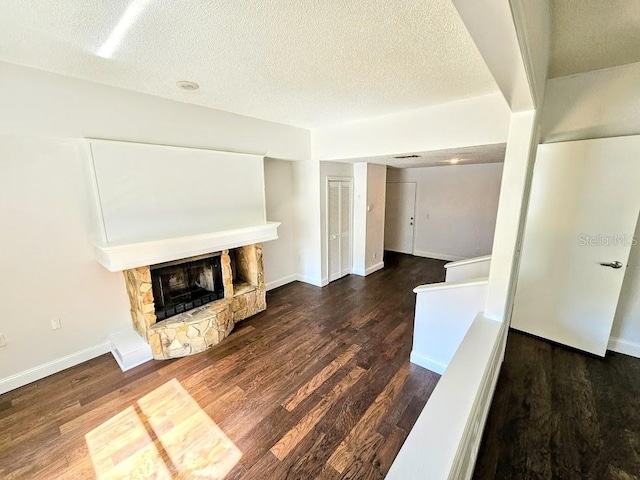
point(453, 161)
point(185, 85)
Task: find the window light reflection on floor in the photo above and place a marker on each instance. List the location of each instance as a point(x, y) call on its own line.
point(186, 443)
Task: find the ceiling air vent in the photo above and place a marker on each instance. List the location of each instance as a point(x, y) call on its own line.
point(407, 156)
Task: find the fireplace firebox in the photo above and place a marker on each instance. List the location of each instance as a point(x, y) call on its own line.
point(181, 286)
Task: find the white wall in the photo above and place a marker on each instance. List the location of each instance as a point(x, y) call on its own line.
point(510, 221)
point(376, 199)
point(456, 208)
point(475, 121)
point(308, 221)
point(50, 104)
point(625, 335)
point(603, 103)
point(359, 218)
point(45, 227)
point(279, 256)
point(47, 266)
point(369, 190)
point(329, 169)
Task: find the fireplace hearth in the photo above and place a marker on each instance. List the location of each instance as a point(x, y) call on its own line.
point(186, 306)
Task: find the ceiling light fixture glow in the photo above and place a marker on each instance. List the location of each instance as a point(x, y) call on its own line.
point(129, 17)
point(453, 161)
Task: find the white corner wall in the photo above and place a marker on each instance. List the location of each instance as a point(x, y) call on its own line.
point(369, 192)
point(48, 270)
point(511, 218)
point(359, 218)
point(44, 207)
point(376, 201)
point(474, 121)
point(279, 256)
point(625, 335)
point(602, 103)
point(456, 208)
point(308, 221)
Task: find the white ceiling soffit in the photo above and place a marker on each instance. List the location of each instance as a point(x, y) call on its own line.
point(593, 35)
point(304, 63)
point(493, 153)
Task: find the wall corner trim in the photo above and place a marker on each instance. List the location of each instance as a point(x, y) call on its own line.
point(427, 363)
point(625, 347)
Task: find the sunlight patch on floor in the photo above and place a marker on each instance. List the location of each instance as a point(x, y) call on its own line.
point(186, 443)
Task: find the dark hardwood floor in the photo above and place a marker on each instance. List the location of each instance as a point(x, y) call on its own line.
point(318, 386)
point(562, 414)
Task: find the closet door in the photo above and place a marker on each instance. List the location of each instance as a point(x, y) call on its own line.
point(339, 229)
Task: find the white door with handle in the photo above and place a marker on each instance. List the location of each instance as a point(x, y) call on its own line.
point(399, 217)
point(582, 215)
point(339, 201)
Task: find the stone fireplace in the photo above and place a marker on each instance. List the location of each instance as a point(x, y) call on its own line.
point(185, 307)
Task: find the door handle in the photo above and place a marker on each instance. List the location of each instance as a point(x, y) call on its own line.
point(615, 264)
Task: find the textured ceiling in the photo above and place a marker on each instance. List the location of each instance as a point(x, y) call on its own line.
point(590, 35)
point(301, 62)
point(493, 153)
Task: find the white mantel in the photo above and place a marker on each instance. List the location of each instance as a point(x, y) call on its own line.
point(116, 258)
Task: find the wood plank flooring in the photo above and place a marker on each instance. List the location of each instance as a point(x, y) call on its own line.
point(317, 386)
point(561, 414)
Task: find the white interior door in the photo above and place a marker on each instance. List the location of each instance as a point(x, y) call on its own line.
point(339, 222)
point(582, 214)
point(399, 217)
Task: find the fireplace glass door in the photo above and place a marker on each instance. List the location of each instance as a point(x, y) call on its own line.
point(181, 286)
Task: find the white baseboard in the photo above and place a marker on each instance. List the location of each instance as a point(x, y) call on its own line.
point(438, 256)
point(369, 270)
point(427, 363)
point(281, 281)
point(624, 346)
point(312, 281)
point(36, 373)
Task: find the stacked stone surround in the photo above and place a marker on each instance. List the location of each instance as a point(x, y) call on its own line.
point(197, 330)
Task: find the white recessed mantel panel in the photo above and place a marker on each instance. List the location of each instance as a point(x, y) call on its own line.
point(158, 203)
point(153, 192)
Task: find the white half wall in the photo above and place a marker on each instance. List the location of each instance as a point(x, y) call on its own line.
point(456, 208)
point(279, 255)
point(474, 121)
point(602, 103)
point(444, 313)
